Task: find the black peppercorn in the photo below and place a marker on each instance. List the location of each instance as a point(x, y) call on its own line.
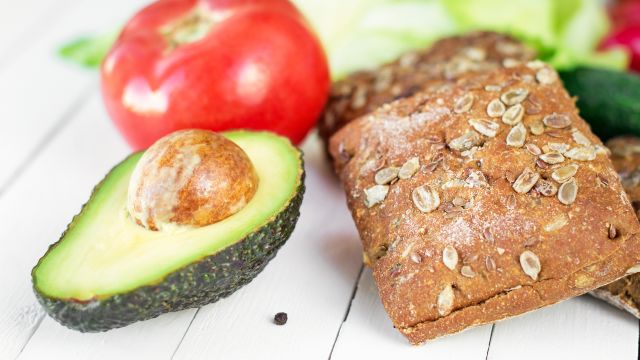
point(280, 318)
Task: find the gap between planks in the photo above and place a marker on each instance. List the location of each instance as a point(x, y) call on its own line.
point(66, 118)
point(49, 136)
point(33, 331)
point(493, 326)
point(185, 333)
point(346, 313)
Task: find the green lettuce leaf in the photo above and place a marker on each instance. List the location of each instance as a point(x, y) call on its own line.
point(360, 34)
point(88, 51)
point(376, 31)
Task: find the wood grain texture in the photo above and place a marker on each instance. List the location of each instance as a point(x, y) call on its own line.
point(369, 334)
point(38, 89)
point(39, 206)
point(580, 328)
point(311, 279)
point(27, 21)
point(154, 339)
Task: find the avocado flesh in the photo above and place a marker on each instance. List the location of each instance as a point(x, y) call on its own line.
point(106, 271)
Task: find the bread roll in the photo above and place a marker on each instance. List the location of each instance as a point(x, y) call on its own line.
point(483, 199)
point(447, 60)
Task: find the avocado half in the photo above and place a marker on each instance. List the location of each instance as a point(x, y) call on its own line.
point(106, 271)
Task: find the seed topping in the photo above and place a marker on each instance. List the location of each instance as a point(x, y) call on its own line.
point(552, 158)
point(541, 164)
point(445, 301)
point(465, 141)
point(602, 180)
point(386, 175)
point(533, 149)
point(470, 258)
point(517, 136)
point(476, 179)
point(537, 128)
point(425, 198)
point(409, 168)
point(580, 138)
point(556, 147)
point(554, 133)
point(568, 192)
point(495, 108)
point(375, 194)
point(490, 264)
point(530, 264)
point(546, 76)
point(485, 127)
point(487, 234)
point(450, 257)
point(531, 241)
point(557, 121)
point(535, 64)
point(467, 271)
point(564, 173)
point(527, 179)
point(582, 153)
point(613, 232)
point(513, 115)
point(463, 103)
point(633, 270)
point(510, 63)
point(515, 96)
point(546, 187)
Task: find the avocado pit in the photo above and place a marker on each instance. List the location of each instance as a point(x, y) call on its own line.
point(190, 177)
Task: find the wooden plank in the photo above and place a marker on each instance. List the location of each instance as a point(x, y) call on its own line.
point(580, 328)
point(311, 279)
point(24, 21)
point(369, 334)
point(37, 209)
point(37, 88)
point(153, 339)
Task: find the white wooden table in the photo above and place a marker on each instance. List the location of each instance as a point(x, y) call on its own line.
point(56, 143)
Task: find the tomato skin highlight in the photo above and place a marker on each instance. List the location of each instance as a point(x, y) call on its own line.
point(252, 65)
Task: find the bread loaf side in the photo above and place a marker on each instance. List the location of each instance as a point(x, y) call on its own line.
point(625, 155)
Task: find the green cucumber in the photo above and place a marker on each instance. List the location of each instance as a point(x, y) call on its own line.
point(608, 100)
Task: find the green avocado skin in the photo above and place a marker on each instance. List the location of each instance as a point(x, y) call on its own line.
point(200, 283)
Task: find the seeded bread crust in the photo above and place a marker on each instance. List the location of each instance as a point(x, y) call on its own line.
point(463, 238)
point(448, 59)
point(625, 155)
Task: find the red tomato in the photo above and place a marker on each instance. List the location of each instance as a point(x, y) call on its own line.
point(624, 13)
point(629, 38)
point(218, 65)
